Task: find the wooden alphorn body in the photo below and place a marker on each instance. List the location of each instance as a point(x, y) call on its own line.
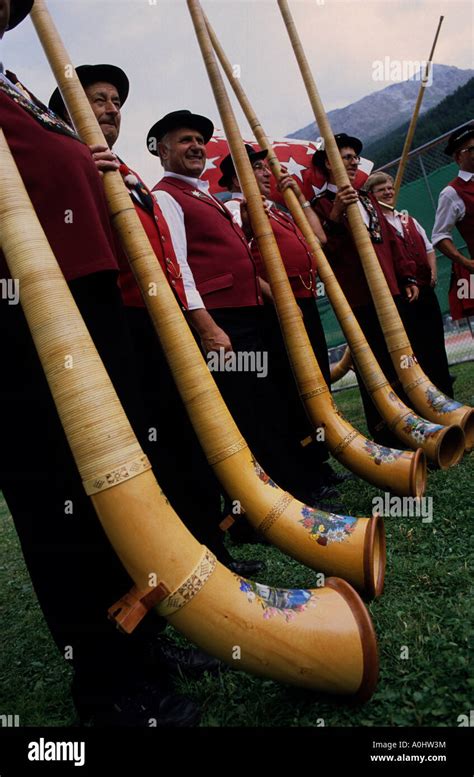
point(357, 453)
point(442, 445)
point(341, 367)
point(319, 638)
point(338, 545)
point(426, 398)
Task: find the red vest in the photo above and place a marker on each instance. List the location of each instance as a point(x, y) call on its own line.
point(218, 254)
point(297, 258)
point(465, 190)
point(412, 246)
point(463, 307)
point(159, 236)
point(343, 256)
point(66, 191)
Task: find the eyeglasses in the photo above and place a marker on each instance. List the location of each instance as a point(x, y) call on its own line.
point(350, 158)
point(469, 148)
point(260, 166)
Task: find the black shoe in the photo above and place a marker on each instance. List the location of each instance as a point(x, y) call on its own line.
point(143, 705)
point(246, 568)
point(190, 661)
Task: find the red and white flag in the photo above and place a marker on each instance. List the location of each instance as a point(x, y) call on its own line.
point(296, 155)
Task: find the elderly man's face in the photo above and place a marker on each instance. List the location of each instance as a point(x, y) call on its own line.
point(263, 176)
point(183, 151)
point(4, 15)
point(105, 103)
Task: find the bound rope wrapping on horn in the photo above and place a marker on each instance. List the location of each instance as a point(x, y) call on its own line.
point(346, 443)
point(297, 530)
point(426, 398)
point(321, 639)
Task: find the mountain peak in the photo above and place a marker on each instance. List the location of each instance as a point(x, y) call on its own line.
point(394, 103)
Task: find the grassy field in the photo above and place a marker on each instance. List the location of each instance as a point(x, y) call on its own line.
point(427, 607)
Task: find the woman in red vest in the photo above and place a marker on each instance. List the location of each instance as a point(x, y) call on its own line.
point(423, 320)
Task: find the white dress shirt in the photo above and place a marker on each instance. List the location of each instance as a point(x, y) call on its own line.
point(394, 218)
point(451, 209)
point(233, 206)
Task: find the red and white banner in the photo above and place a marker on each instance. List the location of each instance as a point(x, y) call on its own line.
point(296, 155)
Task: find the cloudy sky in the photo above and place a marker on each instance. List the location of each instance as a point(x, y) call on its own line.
point(154, 42)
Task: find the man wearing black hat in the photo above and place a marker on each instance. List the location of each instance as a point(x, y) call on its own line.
point(300, 266)
point(456, 209)
point(227, 309)
point(196, 494)
point(74, 569)
point(341, 251)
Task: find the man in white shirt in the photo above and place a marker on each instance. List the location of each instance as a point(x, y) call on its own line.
point(227, 308)
point(456, 209)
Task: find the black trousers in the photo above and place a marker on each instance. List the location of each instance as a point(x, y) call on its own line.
point(424, 325)
point(174, 451)
point(315, 452)
point(261, 405)
point(369, 323)
point(74, 569)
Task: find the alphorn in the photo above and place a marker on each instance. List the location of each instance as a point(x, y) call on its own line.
point(338, 545)
point(357, 453)
point(411, 129)
point(442, 445)
point(320, 638)
point(425, 397)
point(342, 367)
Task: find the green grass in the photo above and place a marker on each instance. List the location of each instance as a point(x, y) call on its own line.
point(427, 606)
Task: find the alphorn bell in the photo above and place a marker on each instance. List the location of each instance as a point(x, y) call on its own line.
point(442, 445)
point(362, 456)
point(425, 397)
point(318, 638)
point(338, 545)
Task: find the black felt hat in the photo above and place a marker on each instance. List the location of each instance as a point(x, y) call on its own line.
point(227, 165)
point(18, 10)
point(175, 120)
point(92, 74)
point(342, 141)
point(458, 138)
